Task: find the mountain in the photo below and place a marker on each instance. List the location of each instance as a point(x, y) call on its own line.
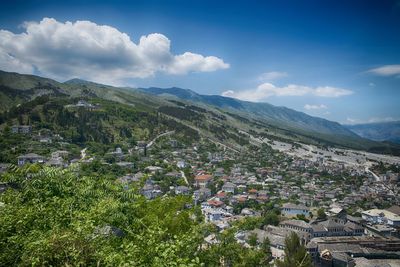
point(279, 117)
point(382, 131)
point(222, 119)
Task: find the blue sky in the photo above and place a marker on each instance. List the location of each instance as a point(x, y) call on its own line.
point(338, 60)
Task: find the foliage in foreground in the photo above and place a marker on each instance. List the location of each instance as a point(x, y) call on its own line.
point(57, 217)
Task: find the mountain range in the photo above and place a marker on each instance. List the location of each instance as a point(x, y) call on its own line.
point(379, 131)
point(215, 116)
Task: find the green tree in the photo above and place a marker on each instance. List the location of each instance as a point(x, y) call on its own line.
point(321, 214)
point(302, 217)
point(252, 239)
point(295, 253)
point(57, 217)
point(271, 218)
point(266, 248)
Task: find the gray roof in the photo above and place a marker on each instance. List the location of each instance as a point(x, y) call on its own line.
point(298, 223)
point(31, 156)
point(294, 206)
point(229, 184)
point(182, 187)
point(352, 226)
point(395, 209)
point(331, 224)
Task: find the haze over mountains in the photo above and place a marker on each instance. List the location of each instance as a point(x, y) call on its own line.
point(237, 115)
point(379, 131)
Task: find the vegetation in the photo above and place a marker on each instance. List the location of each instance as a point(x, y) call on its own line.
point(295, 253)
point(59, 218)
point(56, 217)
point(321, 214)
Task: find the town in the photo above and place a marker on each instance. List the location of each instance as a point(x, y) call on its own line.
point(344, 213)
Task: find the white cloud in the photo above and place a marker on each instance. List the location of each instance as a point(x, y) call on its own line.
point(11, 63)
point(371, 120)
point(189, 62)
point(266, 90)
point(314, 107)
point(387, 70)
point(328, 91)
point(97, 52)
point(372, 84)
point(351, 121)
point(273, 75)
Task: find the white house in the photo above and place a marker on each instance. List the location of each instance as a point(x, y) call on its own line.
point(289, 209)
point(381, 217)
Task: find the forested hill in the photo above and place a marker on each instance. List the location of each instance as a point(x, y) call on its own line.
point(219, 118)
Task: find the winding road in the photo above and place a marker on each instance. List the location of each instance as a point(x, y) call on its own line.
point(158, 136)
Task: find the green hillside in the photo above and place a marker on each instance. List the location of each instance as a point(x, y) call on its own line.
point(218, 118)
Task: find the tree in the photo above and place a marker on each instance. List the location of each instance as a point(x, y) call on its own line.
point(321, 214)
point(295, 253)
point(94, 221)
point(302, 217)
point(266, 248)
point(252, 240)
point(271, 218)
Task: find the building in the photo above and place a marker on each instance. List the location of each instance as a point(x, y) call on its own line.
point(30, 158)
point(85, 104)
point(201, 194)
point(229, 187)
point(150, 191)
point(289, 209)
point(330, 227)
point(380, 230)
point(23, 129)
point(182, 190)
point(341, 251)
point(299, 226)
point(181, 164)
point(379, 216)
point(4, 167)
point(203, 180)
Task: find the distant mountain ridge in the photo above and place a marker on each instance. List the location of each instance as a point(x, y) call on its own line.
point(278, 116)
point(380, 131)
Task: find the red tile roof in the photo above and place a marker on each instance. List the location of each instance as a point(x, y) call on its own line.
point(215, 203)
point(203, 177)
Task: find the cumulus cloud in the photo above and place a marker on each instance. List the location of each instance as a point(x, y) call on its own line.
point(266, 90)
point(96, 52)
point(314, 107)
point(273, 75)
point(387, 70)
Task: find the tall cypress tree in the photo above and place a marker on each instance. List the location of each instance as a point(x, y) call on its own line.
point(295, 253)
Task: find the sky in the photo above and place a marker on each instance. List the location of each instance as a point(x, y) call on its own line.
point(338, 60)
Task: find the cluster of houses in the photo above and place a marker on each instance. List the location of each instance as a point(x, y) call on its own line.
point(225, 194)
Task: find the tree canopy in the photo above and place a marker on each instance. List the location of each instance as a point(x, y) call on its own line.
point(51, 216)
point(295, 253)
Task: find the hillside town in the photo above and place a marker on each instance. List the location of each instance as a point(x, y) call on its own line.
point(344, 214)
